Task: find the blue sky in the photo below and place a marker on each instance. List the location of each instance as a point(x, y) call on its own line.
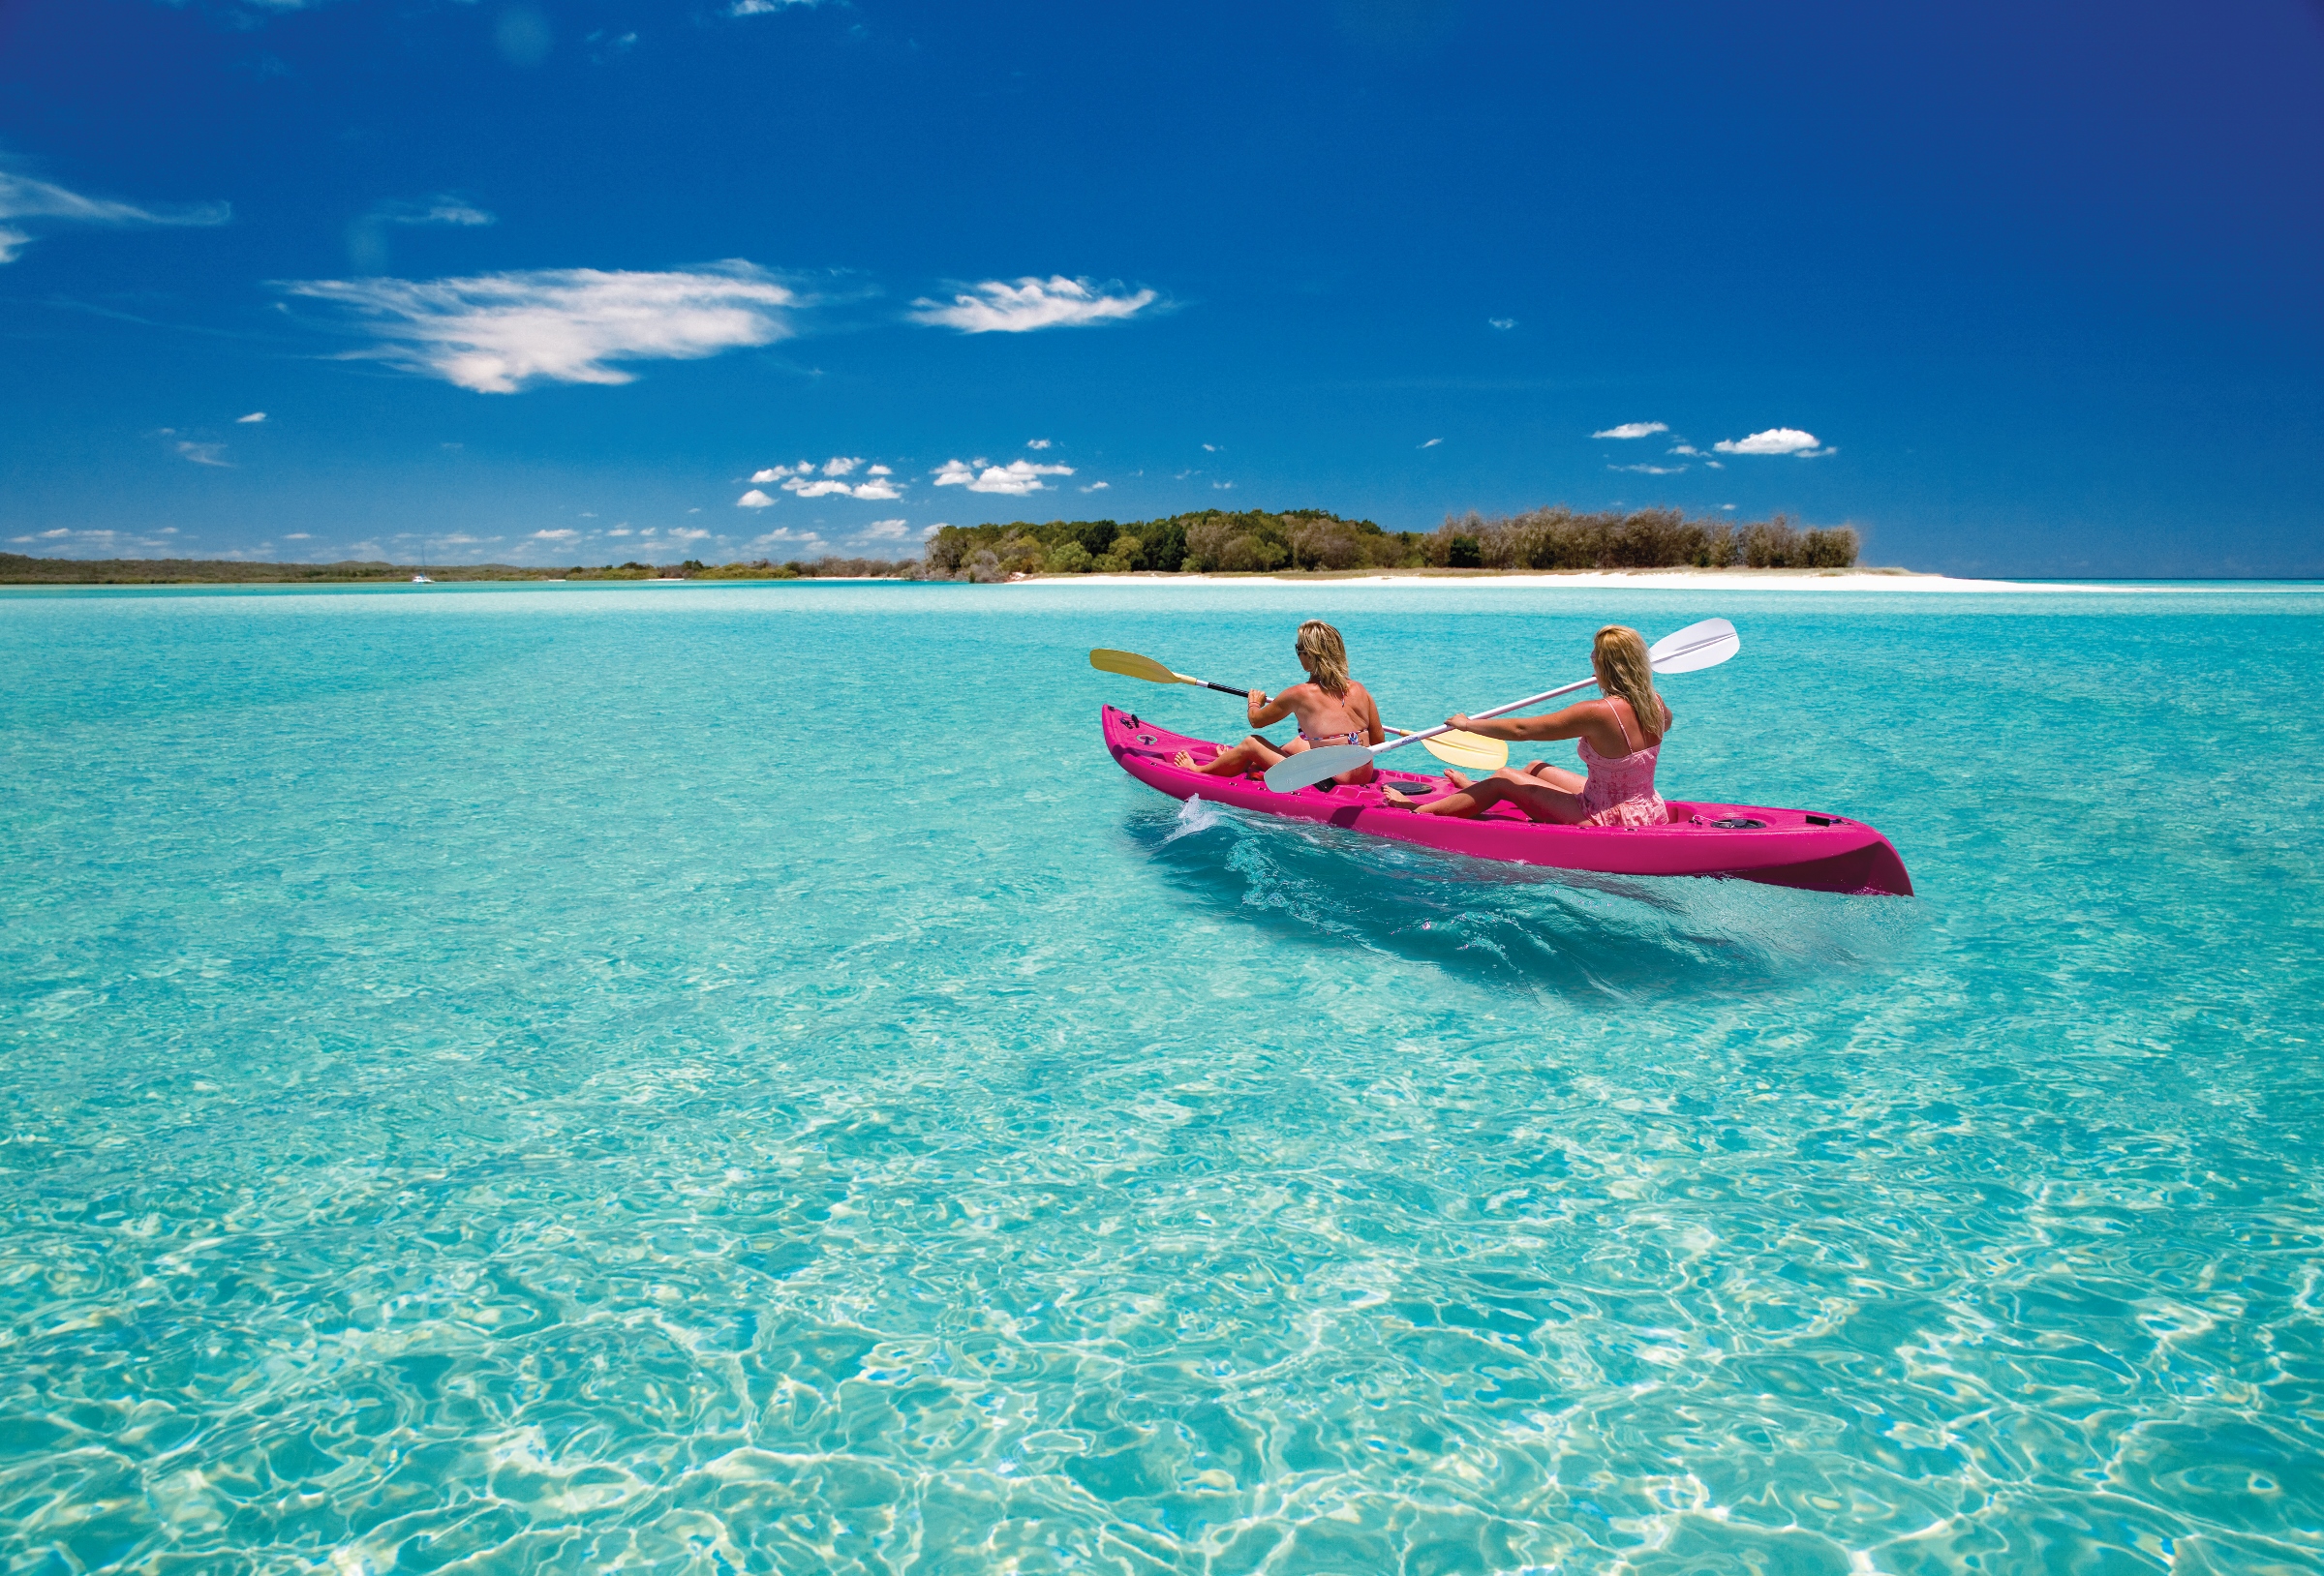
point(2019, 289)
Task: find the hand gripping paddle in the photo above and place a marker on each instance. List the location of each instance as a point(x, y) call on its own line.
point(1470, 751)
point(1703, 645)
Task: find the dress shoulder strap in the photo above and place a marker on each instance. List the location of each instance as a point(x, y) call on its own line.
point(1624, 726)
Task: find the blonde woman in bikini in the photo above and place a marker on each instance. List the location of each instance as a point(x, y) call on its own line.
point(1333, 709)
point(1621, 735)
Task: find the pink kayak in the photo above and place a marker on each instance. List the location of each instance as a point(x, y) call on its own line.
point(1751, 842)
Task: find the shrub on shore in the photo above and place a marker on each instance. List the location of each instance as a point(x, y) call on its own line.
point(1560, 538)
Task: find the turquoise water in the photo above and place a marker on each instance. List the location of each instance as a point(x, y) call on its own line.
point(701, 1079)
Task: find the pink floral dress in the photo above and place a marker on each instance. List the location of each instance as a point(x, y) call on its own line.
point(1620, 792)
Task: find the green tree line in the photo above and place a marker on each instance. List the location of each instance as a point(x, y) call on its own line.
point(1215, 540)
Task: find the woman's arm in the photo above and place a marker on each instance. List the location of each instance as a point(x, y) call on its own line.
point(1570, 723)
point(1264, 713)
point(1375, 732)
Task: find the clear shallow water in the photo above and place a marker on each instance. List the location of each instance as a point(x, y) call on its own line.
point(692, 1078)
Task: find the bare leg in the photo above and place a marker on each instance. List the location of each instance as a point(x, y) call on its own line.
point(1401, 799)
point(1541, 800)
point(1253, 754)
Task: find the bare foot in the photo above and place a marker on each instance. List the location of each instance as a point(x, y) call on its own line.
point(1534, 768)
point(1455, 778)
point(1395, 798)
point(1184, 762)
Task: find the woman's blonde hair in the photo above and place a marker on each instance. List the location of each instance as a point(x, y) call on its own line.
point(1619, 654)
point(1325, 657)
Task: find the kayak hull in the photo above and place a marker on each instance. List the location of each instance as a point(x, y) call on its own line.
point(1788, 850)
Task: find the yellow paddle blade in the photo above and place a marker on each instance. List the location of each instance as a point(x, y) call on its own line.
point(1470, 751)
point(1130, 665)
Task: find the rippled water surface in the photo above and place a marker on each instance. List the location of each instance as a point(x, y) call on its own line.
point(732, 1078)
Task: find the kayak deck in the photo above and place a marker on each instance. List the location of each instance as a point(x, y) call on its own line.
point(1784, 847)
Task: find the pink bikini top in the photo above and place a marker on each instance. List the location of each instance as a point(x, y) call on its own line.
point(1620, 778)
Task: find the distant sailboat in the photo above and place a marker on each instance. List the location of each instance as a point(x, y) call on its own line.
point(422, 578)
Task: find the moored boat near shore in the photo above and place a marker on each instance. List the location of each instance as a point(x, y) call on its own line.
point(1749, 842)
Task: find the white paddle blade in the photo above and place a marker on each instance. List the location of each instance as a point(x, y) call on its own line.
point(1703, 645)
point(1310, 767)
point(1130, 665)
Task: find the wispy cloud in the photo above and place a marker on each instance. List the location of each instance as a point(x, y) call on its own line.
point(1775, 440)
point(1432, 443)
point(499, 333)
point(1097, 487)
point(998, 307)
point(1633, 429)
point(555, 535)
point(298, 537)
point(1650, 470)
point(803, 479)
point(252, 417)
point(23, 197)
point(1036, 442)
point(886, 530)
point(765, 8)
point(1502, 323)
point(440, 210)
point(1685, 448)
point(1015, 480)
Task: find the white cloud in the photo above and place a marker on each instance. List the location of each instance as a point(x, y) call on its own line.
point(1774, 440)
point(687, 535)
point(805, 538)
point(1685, 448)
point(1209, 448)
point(1015, 480)
point(1716, 465)
point(23, 197)
point(801, 478)
point(205, 453)
point(1036, 442)
point(555, 535)
point(1650, 470)
point(753, 499)
point(298, 537)
point(997, 306)
point(1502, 323)
point(255, 415)
point(1633, 429)
point(1432, 443)
point(498, 333)
point(885, 530)
point(1223, 486)
point(1097, 487)
point(441, 211)
point(764, 8)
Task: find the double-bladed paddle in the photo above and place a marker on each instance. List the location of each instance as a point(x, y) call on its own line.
point(1703, 645)
point(1471, 751)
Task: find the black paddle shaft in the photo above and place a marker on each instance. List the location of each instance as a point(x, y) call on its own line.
point(1227, 689)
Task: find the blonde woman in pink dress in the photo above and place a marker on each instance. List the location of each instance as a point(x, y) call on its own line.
point(1620, 736)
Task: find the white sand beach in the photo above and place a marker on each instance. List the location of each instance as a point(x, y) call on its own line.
point(1690, 580)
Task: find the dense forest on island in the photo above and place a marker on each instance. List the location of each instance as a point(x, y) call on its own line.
point(1254, 541)
point(1211, 541)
